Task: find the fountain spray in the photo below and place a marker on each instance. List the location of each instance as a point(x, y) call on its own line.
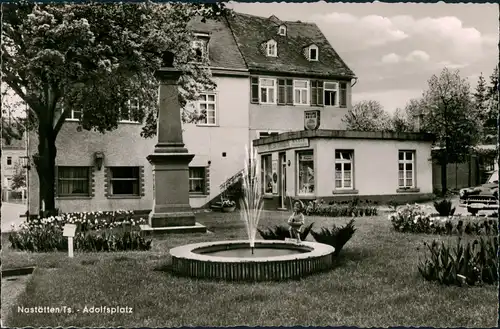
point(251, 203)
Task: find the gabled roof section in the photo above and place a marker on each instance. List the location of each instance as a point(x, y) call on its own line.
point(251, 31)
point(223, 50)
point(275, 19)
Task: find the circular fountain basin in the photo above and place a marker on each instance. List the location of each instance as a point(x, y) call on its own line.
point(234, 260)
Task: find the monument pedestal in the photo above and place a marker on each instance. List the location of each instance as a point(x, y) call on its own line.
point(171, 211)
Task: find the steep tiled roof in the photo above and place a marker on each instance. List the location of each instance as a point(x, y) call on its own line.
point(223, 51)
point(251, 31)
point(14, 143)
point(10, 135)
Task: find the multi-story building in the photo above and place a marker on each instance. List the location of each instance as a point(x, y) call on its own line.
point(13, 152)
point(268, 74)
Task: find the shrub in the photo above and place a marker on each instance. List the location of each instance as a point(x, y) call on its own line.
point(414, 219)
point(50, 238)
point(335, 237)
point(343, 209)
point(112, 241)
point(96, 231)
point(281, 232)
point(444, 207)
point(474, 263)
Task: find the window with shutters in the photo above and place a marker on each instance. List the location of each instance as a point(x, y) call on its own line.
point(316, 93)
point(343, 94)
point(285, 92)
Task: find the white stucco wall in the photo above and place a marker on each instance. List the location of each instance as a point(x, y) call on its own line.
point(375, 165)
point(125, 147)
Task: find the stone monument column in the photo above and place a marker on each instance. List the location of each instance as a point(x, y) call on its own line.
point(170, 160)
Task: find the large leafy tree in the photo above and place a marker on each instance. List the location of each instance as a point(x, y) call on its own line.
point(12, 125)
point(367, 116)
point(451, 115)
point(371, 116)
point(481, 97)
point(492, 96)
point(95, 58)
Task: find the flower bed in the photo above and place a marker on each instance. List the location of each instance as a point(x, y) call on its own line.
point(472, 263)
point(96, 231)
point(89, 221)
point(415, 219)
point(343, 209)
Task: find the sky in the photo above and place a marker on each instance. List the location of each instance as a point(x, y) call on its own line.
point(394, 49)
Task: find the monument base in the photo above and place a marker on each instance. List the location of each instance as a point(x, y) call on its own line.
point(167, 219)
point(196, 228)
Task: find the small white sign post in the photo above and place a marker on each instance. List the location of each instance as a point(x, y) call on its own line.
point(69, 231)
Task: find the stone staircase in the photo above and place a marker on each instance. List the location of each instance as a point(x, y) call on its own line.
point(228, 191)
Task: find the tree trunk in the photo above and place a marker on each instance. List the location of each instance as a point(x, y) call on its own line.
point(45, 165)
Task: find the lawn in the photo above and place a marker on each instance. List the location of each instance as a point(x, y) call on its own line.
point(375, 283)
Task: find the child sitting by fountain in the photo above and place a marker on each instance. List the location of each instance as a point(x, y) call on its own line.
point(296, 220)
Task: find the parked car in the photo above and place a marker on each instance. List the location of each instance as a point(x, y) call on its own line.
point(482, 197)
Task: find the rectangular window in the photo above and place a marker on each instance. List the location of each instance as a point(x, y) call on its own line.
point(331, 93)
point(267, 91)
point(200, 48)
point(344, 169)
point(406, 172)
point(272, 49)
point(313, 54)
point(207, 106)
point(316, 93)
point(9, 161)
point(267, 174)
point(285, 92)
point(124, 180)
point(343, 94)
point(73, 181)
point(129, 113)
point(301, 92)
point(305, 173)
point(197, 177)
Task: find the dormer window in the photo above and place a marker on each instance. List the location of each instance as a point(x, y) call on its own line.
point(313, 53)
point(200, 48)
point(282, 30)
point(272, 49)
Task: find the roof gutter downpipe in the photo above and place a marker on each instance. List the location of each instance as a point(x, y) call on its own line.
point(355, 81)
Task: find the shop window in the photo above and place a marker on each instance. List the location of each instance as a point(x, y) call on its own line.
point(267, 174)
point(305, 173)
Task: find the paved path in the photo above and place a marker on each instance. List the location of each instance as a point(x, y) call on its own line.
point(11, 215)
